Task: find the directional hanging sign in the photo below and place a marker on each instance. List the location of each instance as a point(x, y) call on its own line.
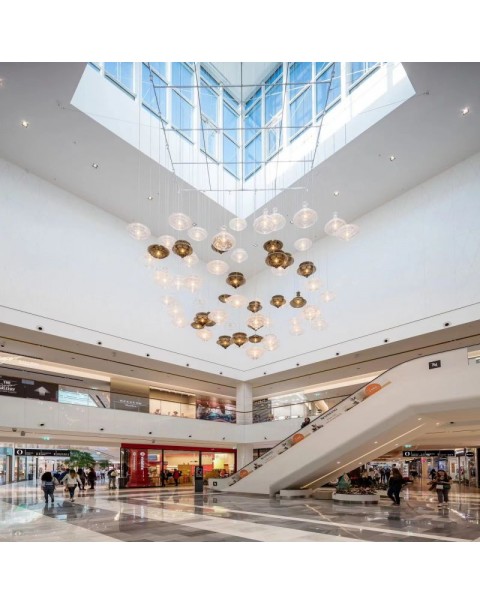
point(428, 453)
point(48, 453)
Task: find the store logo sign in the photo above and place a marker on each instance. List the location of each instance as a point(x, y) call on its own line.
point(433, 365)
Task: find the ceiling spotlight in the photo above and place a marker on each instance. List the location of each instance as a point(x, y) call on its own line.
point(179, 221)
point(182, 248)
point(298, 301)
point(150, 197)
point(465, 111)
point(157, 251)
point(305, 217)
point(237, 224)
point(336, 193)
point(138, 231)
point(392, 158)
point(26, 124)
point(235, 279)
point(94, 165)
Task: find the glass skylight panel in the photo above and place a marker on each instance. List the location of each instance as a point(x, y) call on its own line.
point(182, 77)
point(253, 121)
point(230, 156)
point(300, 112)
point(253, 156)
point(359, 69)
point(182, 115)
point(324, 87)
point(121, 73)
point(300, 75)
point(230, 123)
point(153, 88)
point(208, 101)
point(159, 68)
point(227, 97)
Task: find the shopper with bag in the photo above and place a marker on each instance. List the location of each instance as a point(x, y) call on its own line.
point(443, 487)
point(71, 481)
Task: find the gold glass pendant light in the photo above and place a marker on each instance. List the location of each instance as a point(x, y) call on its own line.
point(278, 300)
point(223, 297)
point(235, 279)
point(224, 341)
point(255, 338)
point(273, 245)
point(254, 306)
point(277, 258)
point(182, 248)
point(306, 269)
point(158, 252)
point(239, 338)
point(298, 301)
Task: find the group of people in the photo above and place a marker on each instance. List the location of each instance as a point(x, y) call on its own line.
point(165, 475)
point(72, 479)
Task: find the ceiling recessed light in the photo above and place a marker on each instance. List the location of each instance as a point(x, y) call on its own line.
point(437, 423)
point(2, 82)
point(375, 442)
point(25, 124)
point(418, 418)
point(94, 165)
point(336, 193)
point(338, 461)
point(392, 158)
point(150, 197)
point(465, 110)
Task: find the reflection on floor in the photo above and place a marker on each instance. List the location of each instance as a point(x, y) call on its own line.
point(180, 515)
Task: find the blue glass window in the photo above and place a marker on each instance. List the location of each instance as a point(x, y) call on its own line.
point(182, 115)
point(253, 156)
point(324, 87)
point(230, 156)
point(273, 101)
point(359, 69)
point(227, 97)
point(300, 112)
point(274, 137)
point(300, 75)
point(253, 121)
point(159, 68)
point(209, 102)
point(121, 73)
point(208, 138)
point(154, 91)
point(182, 77)
point(230, 122)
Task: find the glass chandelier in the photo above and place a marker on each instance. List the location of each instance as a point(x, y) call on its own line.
point(138, 231)
point(305, 217)
point(223, 241)
point(179, 221)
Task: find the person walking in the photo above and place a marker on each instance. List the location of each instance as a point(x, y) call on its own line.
point(176, 475)
point(442, 487)
point(91, 478)
point(48, 486)
point(71, 480)
point(306, 422)
point(395, 484)
point(83, 478)
point(382, 475)
point(112, 478)
point(163, 476)
point(387, 474)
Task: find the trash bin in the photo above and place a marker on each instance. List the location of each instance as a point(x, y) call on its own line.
point(30, 476)
point(122, 482)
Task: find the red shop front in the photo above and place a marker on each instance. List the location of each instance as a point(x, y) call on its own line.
point(141, 465)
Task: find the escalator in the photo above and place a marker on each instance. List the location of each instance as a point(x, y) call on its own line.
point(398, 407)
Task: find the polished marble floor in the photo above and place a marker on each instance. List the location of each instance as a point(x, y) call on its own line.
point(180, 515)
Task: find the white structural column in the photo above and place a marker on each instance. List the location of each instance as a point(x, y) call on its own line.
point(244, 416)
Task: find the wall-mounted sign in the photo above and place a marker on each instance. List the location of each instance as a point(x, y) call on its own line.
point(428, 453)
point(433, 365)
point(11, 386)
point(130, 403)
point(47, 453)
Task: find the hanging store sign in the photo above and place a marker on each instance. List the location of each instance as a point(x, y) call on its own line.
point(428, 453)
point(47, 453)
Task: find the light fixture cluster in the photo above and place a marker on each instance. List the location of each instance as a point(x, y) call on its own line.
point(268, 223)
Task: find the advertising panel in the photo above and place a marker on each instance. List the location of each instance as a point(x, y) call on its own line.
point(11, 386)
point(216, 410)
point(129, 403)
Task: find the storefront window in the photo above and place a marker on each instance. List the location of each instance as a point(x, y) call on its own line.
point(184, 462)
point(217, 464)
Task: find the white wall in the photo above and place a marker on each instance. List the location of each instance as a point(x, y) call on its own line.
point(414, 265)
